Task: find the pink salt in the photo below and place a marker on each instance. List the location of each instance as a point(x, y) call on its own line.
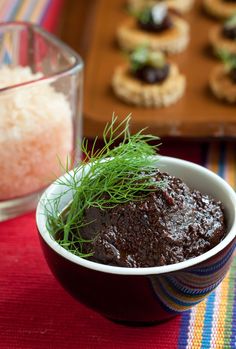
point(35, 131)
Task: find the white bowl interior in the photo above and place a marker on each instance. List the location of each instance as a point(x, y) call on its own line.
point(195, 176)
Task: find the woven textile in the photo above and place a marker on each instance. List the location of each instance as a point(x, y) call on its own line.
point(42, 12)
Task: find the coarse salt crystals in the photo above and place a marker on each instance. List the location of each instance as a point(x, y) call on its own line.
point(35, 131)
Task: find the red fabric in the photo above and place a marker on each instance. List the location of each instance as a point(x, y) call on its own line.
point(51, 19)
point(35, 312)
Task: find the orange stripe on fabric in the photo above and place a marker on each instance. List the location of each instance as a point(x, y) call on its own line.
point(38, 10)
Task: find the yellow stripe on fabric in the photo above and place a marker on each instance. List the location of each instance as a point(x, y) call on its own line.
point(22, 9)
point(213, 157)
point(219, 333)
point(231, 164)
point(25, 10)
point(196, 340)
point(38, 10)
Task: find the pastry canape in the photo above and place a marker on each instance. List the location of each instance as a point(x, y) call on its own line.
point(221, 9)
point(182, 6)
point(223, 78)
point(155, 27)
point(224, 37)
point(149, 80)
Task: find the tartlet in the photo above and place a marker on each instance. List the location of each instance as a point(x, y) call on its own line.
point(221, 9)
point(222, 86)
point(223, 37)
point(133, 87)
point(182, 6)
point(170, 38)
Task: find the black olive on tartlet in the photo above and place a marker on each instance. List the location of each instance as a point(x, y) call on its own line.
point(148, 80)
point(157, 27)
point(182, 6)
point(223, 37)
point(220, 9)
point(223, 78)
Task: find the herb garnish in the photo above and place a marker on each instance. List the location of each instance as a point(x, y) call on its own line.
point(231, 22)
point(143, 56)
point(109, 176)
point(145, 16)
point(228, 59)
point(147, 13)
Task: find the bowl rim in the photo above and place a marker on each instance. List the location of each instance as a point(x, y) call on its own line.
point(47, 238)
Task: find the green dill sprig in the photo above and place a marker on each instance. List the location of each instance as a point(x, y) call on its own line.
point(228, 59)
point(105, 178)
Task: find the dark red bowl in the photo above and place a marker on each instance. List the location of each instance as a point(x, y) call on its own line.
point(144, 295)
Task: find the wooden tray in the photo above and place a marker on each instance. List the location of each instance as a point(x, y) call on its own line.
point(197, 114)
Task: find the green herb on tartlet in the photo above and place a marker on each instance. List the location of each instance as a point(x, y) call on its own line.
point(105, 178)
point(231, 22)
point(143, 56)
point(153, 12)
point(145, 15)
point(228, 59)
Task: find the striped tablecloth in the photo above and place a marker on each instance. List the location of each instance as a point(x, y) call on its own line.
point(34, 310)
point(43, 12)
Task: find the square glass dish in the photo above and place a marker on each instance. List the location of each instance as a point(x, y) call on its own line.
point(41, 83)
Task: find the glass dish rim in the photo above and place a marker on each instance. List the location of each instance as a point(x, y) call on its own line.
point(77, 65)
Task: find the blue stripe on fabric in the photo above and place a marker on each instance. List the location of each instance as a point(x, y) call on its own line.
point(7, 58)
point(208, 318)
point(192, 291)
point(175, 299)
point(184, 328)
point(214, 267)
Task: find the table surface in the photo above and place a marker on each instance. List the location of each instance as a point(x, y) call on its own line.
point(35, 312)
